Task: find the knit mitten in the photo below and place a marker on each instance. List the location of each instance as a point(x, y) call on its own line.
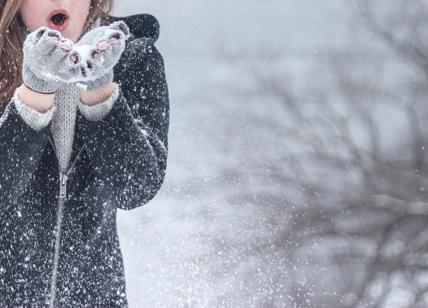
point(101, 48)
point(48, 61)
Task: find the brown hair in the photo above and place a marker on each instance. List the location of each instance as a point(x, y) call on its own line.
point(12, 39)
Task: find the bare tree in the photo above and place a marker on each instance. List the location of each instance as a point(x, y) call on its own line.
point(352, 164)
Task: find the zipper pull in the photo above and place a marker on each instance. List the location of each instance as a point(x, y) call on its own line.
point(63, 185)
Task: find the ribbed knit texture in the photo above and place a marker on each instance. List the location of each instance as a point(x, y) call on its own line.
point(100, 82)
point(63, 122)
point(37, 84)
point(63, 116)
point(37, 120)
point(99, 111)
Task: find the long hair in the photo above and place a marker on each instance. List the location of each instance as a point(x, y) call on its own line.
point(12, 39)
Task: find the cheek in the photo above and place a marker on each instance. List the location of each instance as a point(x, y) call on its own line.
point(32, 14)
point(82, 8)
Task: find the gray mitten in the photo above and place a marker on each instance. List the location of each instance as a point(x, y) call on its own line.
point(48, 61)
point(101, 48)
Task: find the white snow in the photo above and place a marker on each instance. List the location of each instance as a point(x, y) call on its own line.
point(208, 239)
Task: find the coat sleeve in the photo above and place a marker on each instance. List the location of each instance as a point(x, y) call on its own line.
point(128, 147)
point(22, 147)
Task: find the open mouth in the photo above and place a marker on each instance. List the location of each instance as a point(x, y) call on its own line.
point(58, 19)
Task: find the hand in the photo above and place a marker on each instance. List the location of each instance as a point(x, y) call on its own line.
point(100, 49)
point(49, 61)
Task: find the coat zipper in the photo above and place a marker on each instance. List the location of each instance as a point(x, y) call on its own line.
point(63, 178)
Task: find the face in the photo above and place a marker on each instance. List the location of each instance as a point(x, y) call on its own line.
point(37, 13)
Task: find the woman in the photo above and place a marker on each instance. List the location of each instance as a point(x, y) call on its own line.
point(83, 131)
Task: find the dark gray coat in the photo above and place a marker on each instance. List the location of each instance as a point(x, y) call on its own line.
point(119, 162)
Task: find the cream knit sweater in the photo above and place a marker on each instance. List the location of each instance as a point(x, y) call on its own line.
point(63, 117)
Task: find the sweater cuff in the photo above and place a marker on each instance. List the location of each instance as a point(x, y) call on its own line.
point(35, 119)
point(98, 111)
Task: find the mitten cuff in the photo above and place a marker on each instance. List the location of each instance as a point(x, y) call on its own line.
point(100, 82)
point(38, 85)
point(98, 111)
point(35, 119)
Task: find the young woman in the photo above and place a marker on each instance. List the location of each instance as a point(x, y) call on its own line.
point(84, 116)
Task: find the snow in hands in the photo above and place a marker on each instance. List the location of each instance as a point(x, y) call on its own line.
point(92, 56)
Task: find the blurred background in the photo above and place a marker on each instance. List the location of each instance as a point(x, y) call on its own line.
point(297, 168)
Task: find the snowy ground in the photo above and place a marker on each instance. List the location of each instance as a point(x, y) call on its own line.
point(210, 237)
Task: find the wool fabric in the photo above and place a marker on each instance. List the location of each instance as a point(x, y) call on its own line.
point(63, 117)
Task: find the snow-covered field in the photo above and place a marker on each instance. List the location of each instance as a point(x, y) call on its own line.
point(212, 236)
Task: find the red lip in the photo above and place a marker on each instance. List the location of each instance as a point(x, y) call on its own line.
point(55, 26)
